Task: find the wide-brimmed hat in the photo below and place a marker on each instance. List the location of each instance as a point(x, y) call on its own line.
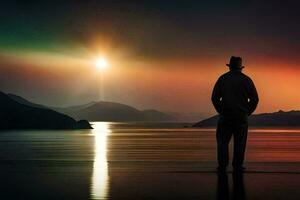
point(235, 62)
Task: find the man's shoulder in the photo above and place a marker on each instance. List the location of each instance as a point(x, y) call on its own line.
point(224, 75)
point(246, 77)
point(230, 74)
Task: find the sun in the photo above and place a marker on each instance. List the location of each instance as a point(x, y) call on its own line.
point(101, 63)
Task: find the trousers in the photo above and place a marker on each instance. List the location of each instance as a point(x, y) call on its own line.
point(228, 126)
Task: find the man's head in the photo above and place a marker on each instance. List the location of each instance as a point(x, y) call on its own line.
point(235, 63)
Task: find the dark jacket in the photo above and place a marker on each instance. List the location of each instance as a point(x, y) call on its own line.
point(234, 94)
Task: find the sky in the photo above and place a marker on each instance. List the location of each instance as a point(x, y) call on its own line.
point(165, 55)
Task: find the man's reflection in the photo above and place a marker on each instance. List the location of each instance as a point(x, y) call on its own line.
point(238, 186)
point(222, 187)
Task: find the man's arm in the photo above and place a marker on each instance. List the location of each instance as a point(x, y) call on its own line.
point(216, 96)
point(253, 97)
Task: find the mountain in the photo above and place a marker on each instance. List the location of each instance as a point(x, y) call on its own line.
point(154, 115)
point(26, 115)
point(276, 119)
point(72, 109)
point(24, 101)
point(111, 111)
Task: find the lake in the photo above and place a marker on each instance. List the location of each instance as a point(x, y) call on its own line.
point(144, 161)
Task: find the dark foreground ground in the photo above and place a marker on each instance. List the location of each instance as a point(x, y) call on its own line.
point(115, 161)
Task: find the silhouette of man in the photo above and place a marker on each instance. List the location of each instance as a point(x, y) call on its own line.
point(239, 192)
point(235, 98)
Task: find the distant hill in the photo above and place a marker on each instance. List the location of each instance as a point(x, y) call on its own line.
point(154, 115)
point(26, 115)
point(72, 109)
point(276, 119)
point(24, 101)
point(111, 111)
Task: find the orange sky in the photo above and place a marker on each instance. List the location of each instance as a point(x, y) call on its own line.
point(180, 86)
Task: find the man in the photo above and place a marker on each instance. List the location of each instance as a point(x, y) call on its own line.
point(235, 98)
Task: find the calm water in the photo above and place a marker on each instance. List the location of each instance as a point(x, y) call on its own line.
point(144, 161)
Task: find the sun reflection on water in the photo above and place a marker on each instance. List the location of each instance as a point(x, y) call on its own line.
point(100, 173)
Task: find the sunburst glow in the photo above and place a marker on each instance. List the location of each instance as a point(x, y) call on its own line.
point(101, 63)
